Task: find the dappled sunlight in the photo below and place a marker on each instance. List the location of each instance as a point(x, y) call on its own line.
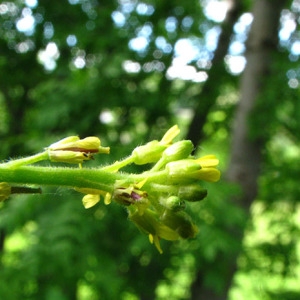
point(271, 247)
point(49, 56)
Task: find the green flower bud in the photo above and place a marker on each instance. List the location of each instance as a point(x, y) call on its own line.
point(149, 223)
point(190, 170)
point(192, 192)
point(173, 203)
point(177, 151)
point(149, 153)
point(179, 171)
point(181, 223)
point(152, 151)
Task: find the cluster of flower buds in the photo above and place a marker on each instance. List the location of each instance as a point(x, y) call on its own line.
point(156, 199)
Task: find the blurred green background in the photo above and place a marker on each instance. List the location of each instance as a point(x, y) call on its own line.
point(126, 71)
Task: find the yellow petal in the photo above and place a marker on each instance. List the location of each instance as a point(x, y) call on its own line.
point(208, 161)
point(88, 143)
point(90, 200)
point(154, 239)
point(170, 135)
point(107, 199)
point(140, 184)
point(61, 143)
point(208, 174)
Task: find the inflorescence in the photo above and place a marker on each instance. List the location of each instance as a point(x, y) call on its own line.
point(155, 199)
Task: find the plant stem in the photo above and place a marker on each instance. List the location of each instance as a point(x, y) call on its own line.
point(26, 160)
point(118, 165)
point(67, 177)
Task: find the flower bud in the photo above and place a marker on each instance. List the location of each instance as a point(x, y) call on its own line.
point(149, 153)
point(152, 151)
point(74, 150)
point(148, 222)
point(177, 151)
point(173, 203)
point(189, 170)
point(181, 223)
point(192, 192)
point(89, 144)
point(71, 157)
point(179, 171)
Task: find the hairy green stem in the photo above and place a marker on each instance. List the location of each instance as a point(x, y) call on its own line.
point(67, 177)
point(90, 178)
point(26, 160)
point(118, 165)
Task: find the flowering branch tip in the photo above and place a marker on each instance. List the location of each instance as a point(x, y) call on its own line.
point(156, 199)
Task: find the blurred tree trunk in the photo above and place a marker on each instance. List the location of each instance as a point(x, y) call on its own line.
point(244, 166)
point(216, 75)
